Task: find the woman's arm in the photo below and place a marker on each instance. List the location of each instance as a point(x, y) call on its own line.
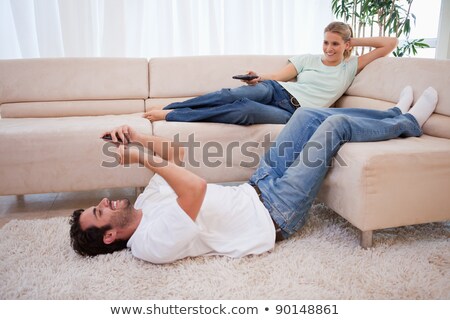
point(285, 74)
point(383, 46)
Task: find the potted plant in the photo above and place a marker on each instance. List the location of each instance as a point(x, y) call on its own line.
point(382, 17)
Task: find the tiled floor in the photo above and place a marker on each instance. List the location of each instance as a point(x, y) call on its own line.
point(41, 206)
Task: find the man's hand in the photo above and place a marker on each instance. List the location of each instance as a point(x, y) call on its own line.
point(164, 158)
point(124, 133)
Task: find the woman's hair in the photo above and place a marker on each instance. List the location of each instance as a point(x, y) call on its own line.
point(89, 242)
point(344, 30)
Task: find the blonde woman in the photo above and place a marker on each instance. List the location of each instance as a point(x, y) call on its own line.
point(273, 98)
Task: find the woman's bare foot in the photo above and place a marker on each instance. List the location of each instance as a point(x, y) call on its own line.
point(156, 115)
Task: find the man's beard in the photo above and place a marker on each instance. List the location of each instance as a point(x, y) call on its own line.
point(123, 217)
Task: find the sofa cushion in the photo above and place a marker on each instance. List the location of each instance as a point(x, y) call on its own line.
point(65, 154)
point(70, 108)
point(347, 101)
point(220, 152)
point(72, 79)
point(384, 79)
point(194, 76)
point(390, 183)
point(159, 103)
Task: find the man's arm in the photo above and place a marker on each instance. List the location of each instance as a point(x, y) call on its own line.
point(164, 148)
point(189, 187)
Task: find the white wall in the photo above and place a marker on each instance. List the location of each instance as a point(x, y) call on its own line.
point(443, 43)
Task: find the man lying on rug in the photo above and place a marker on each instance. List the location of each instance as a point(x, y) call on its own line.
point(179, 215)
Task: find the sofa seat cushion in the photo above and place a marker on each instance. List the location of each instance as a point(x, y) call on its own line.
point(64, 154)
point(220, 152)
point(390, 183)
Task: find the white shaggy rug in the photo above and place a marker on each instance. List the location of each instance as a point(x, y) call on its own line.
point(324, 261)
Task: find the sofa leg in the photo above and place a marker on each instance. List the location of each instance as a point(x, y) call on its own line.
point(20, 198)
point(139, 190)
point(366, 239)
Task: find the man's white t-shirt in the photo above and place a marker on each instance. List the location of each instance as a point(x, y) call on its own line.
point(232, 221)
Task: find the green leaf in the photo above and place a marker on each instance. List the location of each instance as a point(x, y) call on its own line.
point(371, 14)
point(407, 27)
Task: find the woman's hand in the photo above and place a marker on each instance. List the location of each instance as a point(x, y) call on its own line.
point(254, 81)
point(383, 46)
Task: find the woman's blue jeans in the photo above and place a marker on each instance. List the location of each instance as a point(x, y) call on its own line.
point(265, 102)
point(291, 172)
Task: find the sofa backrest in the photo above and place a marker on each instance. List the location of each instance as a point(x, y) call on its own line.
point(182, 77)
point(379, 85)
point(72, 86)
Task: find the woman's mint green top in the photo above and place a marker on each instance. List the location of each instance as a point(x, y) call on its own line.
point(318, 85)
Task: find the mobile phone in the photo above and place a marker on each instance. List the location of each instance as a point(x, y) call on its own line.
point(107, 137)
point(246, 77)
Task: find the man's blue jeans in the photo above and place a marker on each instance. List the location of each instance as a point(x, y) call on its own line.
point(291, 172)
point(266, 102)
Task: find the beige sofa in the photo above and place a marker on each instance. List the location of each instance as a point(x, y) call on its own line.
point(53, 112)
